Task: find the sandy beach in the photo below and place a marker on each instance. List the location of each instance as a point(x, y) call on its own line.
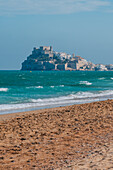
point(71, 137)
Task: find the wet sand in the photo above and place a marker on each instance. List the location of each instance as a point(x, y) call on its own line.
point(71, 137)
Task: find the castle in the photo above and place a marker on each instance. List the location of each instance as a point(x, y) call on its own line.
point(44, 58)
point(44, 51)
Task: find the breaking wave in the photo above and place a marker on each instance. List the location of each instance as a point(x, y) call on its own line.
point(52, 86)
point(39, 87)
point(85, 83)
point(102, 78)
point(79, 97)
point(4, 89)
point(61, 85)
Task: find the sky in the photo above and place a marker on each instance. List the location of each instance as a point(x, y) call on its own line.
point(83, 27)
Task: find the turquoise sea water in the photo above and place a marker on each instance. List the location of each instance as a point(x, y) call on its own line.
point(20, 90)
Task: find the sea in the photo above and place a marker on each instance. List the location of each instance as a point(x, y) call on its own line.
point(32, 90)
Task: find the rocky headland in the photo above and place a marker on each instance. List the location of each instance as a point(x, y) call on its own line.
point(44, 58)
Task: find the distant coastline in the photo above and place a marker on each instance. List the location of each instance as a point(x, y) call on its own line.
point(44, 58)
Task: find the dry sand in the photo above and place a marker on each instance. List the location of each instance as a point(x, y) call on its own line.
point(71, 137)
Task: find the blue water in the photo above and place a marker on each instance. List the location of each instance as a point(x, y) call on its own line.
point(20, 90)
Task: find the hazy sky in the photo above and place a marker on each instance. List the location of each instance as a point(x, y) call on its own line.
point(83, 27)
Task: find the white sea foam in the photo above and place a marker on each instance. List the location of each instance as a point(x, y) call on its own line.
point(39, 87)
point(94, 95)
point(61, 85)
point(52, 86)
point(80, 97)
point(35, 87)
point(85, 83)
point(37, 104)
point(101, 78)
point(111, 78)
point(4, 89)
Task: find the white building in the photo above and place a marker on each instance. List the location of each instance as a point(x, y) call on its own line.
point(100, 67)
point(62, 56)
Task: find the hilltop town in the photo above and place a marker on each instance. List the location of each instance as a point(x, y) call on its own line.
point(44, 58)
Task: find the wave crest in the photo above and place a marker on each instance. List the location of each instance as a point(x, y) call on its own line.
point(39, 87)
point(85, 83)
point(4, 89)
point(77, 98)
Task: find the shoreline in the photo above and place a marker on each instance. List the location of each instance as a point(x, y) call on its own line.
point(14, 114)
point(76, 136)
point(8, 116)
point(32, 109)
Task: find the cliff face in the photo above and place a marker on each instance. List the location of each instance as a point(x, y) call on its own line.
point(44, 58)
point(41, 65)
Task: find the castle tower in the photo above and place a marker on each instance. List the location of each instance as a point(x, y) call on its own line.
point(73, 55)
point(51, 48)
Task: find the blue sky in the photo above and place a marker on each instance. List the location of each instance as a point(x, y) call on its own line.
point(83, 27)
